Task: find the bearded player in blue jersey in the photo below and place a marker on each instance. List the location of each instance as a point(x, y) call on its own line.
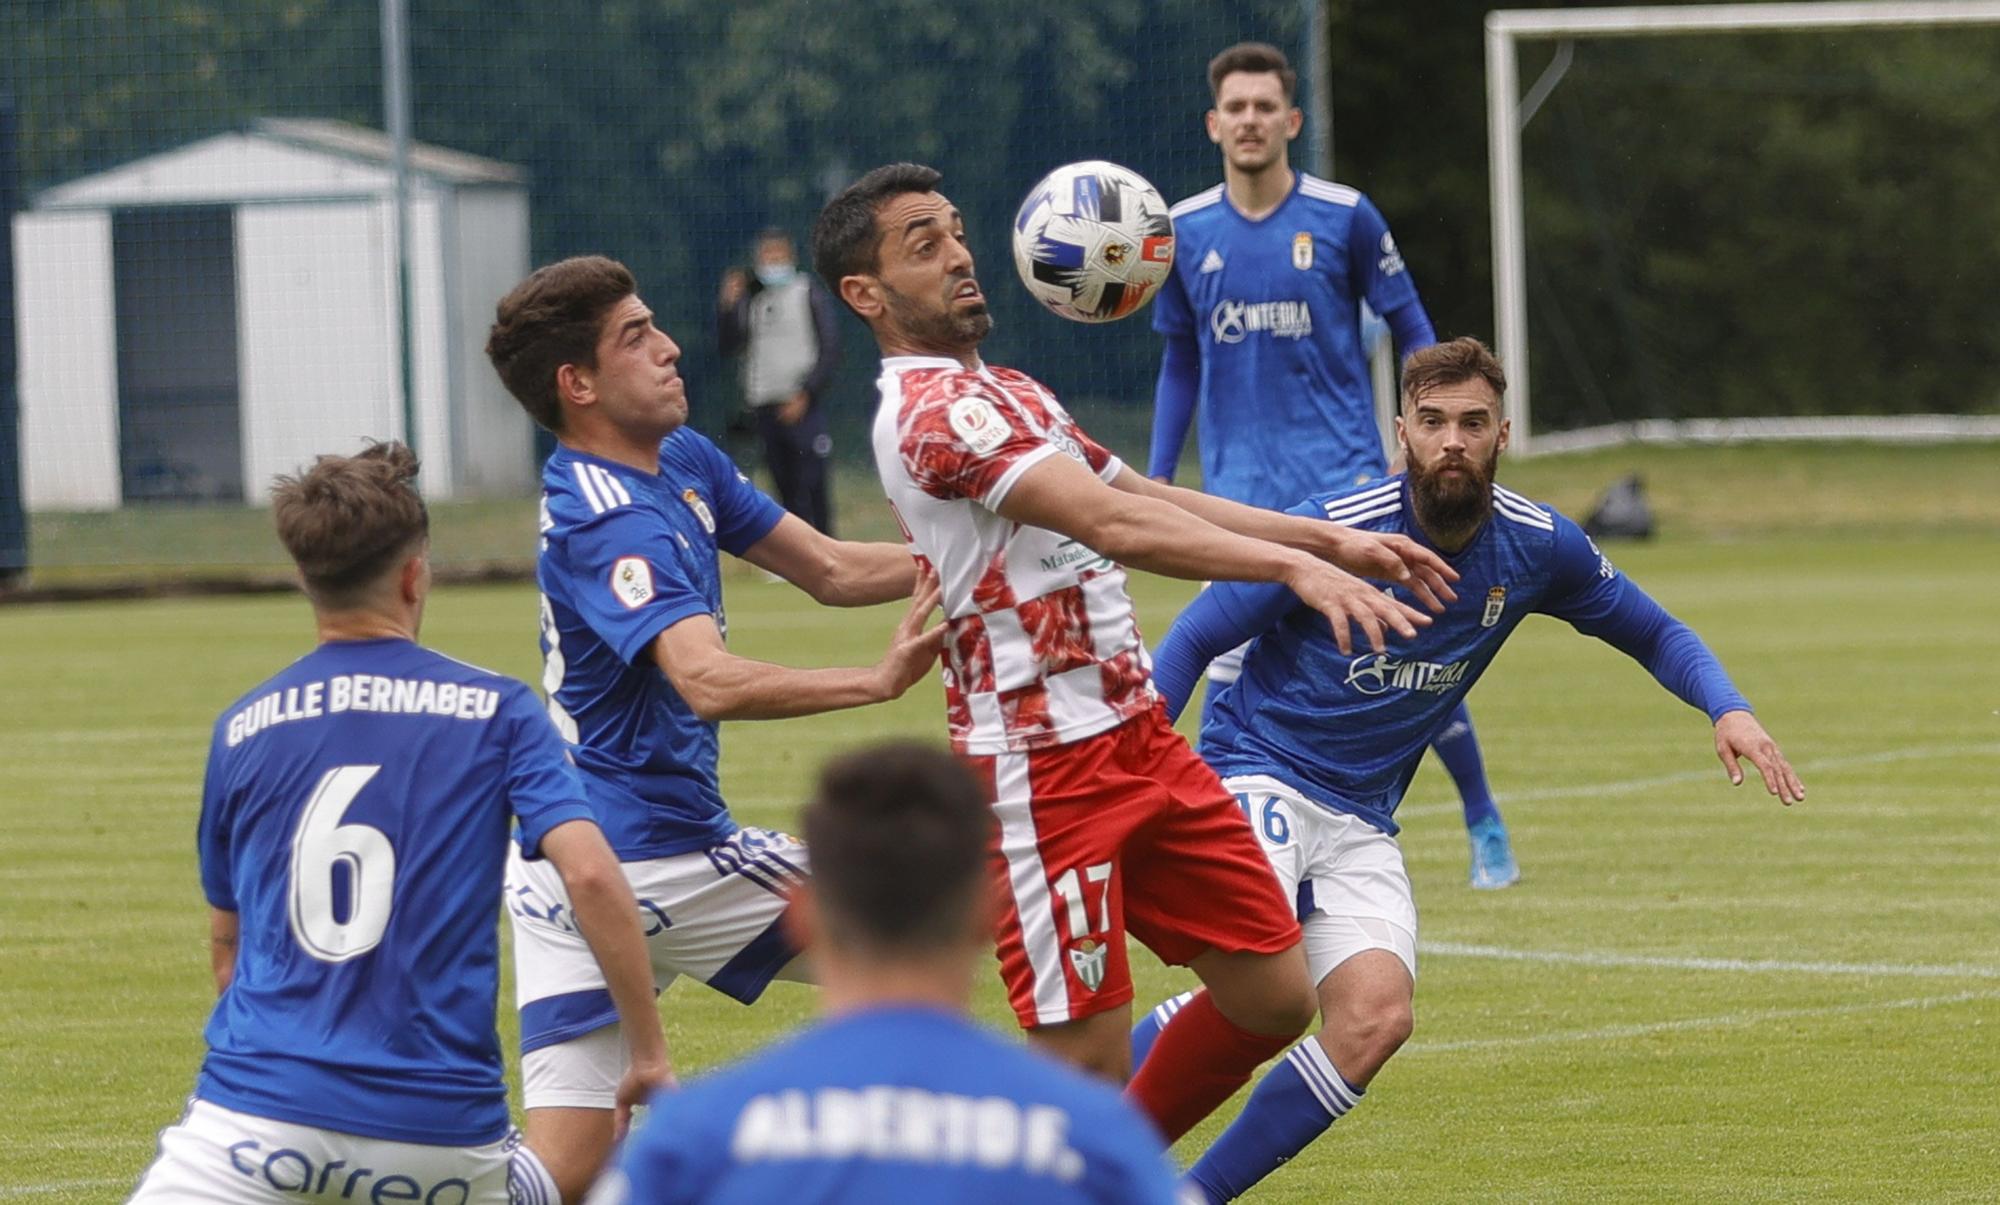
point(1319, 746)
point(635, 509)
point(354, 828)
point(1262, 323)
point(895, 1095)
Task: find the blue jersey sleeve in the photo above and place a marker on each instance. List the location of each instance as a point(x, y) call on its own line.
point(1173, 314)
point(1592, 596)
point(1220, 618)
point(543, 787)
point(212, 834)
point(1412, 329)
point(629, 583)
point(1375, 267)
point(1173, 404)
point(743, 513)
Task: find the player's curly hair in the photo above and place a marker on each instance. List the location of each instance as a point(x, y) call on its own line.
point(898, 834)
point(845, 241)
point(551, 319)
point(348, 520)
point(1252, 58)
point(1453, 362)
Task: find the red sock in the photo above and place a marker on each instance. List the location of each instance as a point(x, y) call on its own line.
point(1199, 1060)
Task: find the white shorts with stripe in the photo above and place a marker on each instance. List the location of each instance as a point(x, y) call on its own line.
point(712, 915)
point(217, 1155)
point(1347, 876)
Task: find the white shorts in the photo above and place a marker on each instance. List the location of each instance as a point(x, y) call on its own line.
point(711, 915)
point(1347, 875)
point(215, 1155)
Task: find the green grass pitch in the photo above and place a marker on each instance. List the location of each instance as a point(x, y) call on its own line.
point(1692, 995)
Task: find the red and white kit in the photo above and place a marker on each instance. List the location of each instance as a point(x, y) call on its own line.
point(1107, 819)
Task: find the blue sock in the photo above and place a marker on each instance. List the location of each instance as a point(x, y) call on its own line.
point(1458, 749)
point(1298, 1098)
point(1151, 1024)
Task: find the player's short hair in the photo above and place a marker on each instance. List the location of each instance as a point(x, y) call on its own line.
point(845, 240)
point(551, 319)
point(1252, 58)
point(773, 234)
point(349, 520)
point(1451, 363)
point(898, 834)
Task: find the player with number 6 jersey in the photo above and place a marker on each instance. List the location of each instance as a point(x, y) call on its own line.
point(354, 828)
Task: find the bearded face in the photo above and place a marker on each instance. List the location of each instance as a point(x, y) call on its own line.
point(1453, 492)
point(940, 323)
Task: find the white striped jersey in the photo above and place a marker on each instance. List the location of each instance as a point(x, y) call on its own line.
point(1043, 647)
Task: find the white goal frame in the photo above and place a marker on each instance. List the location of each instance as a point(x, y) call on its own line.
point(1507, 111)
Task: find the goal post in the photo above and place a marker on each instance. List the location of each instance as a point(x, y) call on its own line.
point(1508, 112)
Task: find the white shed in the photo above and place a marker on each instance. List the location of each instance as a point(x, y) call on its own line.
point(194, 322)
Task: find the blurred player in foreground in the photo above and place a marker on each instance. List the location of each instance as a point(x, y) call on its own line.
point(1319, 745)
point(895, 1095)
point(354, 828)
point(635, 507)
point(1108, 822)
point(1262, 326)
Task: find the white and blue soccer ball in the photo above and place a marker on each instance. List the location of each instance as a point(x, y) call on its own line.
point(1093, 241)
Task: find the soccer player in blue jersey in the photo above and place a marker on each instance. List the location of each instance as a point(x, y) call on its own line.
point(354, 829)
point(635, 508)
point(1319, 746)
point(896, 1095)
point(1262, 326)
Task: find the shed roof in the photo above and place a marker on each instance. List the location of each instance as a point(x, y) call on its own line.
point(276, 159)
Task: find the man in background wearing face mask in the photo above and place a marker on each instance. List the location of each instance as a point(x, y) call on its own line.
point(784, 323)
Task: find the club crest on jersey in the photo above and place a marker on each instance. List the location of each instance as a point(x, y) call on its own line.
point(1302, 250)
point(974, 420)
point(1496, 601)
point(632, 581)
point(1086, 958)
point(700, 509)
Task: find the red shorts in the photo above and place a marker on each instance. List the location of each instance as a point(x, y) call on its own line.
point(1125, 831)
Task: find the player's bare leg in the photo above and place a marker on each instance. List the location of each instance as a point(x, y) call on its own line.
point(1268, 994)
point(1365, 1018)
point(1096, 1044)
point(1365, 1013)
point(572, 1144)
point(1254, 1006)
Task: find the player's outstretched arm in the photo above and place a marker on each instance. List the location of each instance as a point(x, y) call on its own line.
point(225, 930)
point(836, 573)
point(1135, 528)
point(719, 685)
point(1739, 737)
point(1389, 558)
point(608, 917)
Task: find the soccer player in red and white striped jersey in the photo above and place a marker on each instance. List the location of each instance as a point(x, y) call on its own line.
point(1109, 823)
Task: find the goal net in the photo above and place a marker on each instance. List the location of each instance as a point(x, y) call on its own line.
point(1742, 221)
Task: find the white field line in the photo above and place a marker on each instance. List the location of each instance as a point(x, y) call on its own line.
point(1610, 1033)
point(1753, 966)
point(1714, 771)
point(62, 1186)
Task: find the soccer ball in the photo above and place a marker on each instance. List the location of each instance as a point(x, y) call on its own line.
point(1093, 241)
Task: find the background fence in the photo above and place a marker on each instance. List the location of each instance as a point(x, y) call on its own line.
point(1746, 226)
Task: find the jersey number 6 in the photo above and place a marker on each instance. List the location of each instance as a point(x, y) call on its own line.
point(320, 849)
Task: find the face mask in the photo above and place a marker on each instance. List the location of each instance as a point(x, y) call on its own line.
point(773, 275)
